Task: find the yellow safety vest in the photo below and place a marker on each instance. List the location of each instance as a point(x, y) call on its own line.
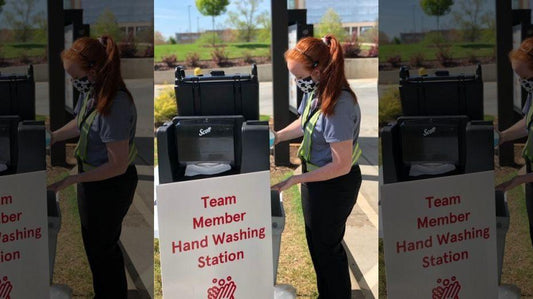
point(304, 152)
point(84, 125)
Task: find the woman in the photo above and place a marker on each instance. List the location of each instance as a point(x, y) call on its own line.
point(329, 123)
point(105, 123)
point(522, 64)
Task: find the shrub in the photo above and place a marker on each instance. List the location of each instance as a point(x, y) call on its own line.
point(165, 106)
point(351, 50)
point(444, 56)
point(192, 59)
point(395, 60)
point(248, 58)
point(389, 106)
point(417, 59)
point(220, 57)
point(127, 49)
point(373, 52)
point(170, 60)
point(472, 58)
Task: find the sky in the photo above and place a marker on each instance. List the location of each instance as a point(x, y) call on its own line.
point(40, 6)
point(171, 16)
point(406, 15)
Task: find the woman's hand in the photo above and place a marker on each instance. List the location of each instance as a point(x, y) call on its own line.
point(286, 184)
point(510, 184)
point(62, 184)
point(276, 139)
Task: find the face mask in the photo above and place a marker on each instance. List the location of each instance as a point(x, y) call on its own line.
point(83, 85)
point(307, 84)
point(527, 85)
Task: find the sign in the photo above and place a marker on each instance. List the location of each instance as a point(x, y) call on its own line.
point(440, 237)
point(24, 236)
point(215, 237)
point(293, 88)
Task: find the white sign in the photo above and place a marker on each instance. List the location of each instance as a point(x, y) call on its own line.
point(24, 236)
point(440, 237)
point(215, 237)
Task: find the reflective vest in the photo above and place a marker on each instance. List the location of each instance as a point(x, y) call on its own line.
point(308, 125)
point(527, 153)
point(85, 121)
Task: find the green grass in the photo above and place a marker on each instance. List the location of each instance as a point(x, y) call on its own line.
point(458, 50)
point(71, 265)
point(233, 50)
point(15, 50)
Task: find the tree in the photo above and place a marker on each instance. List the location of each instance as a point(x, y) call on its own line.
point(469, 17)
point(265, 23)
point(243, 19)
point(159, 39)
point(20, 18)
point(212, 8)
point(331, 24)
point(436, 8)
point(172, 40)
point(2, 3)
point(107, 25)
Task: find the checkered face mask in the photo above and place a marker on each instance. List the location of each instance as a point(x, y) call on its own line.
point(83, 85)
point(307, 84)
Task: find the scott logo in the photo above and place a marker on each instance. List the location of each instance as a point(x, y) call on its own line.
point(5, 288)
point(222, 289)
point(428, 132)
point(202, 132)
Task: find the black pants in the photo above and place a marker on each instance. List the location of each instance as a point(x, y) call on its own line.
point(102, 206)
point(326, 207)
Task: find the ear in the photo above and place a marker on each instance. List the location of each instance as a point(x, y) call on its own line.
point(91, 74)
point(315, 74)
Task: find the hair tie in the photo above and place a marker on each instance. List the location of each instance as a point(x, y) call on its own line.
point(327, 40)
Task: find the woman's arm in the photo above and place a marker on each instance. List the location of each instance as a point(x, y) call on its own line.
point(294, 130)
point(117, 154)
point(70, 130)
point(516, 131)
point(515, 181)
point(341, 154)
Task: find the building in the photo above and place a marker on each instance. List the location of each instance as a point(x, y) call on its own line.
point(133, 16)
point(356, 16)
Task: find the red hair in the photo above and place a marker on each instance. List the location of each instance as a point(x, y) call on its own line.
point(326, 55)
point(101, 55)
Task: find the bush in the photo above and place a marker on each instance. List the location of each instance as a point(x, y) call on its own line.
point(192, 59)
point(373, 52)
point(395, 60)
point(390, 106)
point(248, 58)
point(207, 39)
point(165, 106)
point(127, 49)
point(351, 50)
point(444, 56)
point(472, 58)
point(417, 59)
point(220, 57)
point(170, 60)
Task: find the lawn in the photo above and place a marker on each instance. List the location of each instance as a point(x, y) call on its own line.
point(14, 50)
point(295, 266)
point(234, 50)
point(458, 50)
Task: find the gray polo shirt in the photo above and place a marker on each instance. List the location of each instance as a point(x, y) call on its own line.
point(341, 126)
point(119, 124)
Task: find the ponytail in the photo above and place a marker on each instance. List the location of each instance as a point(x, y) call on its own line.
point(325, 54)
point(109, 77)
point(332, 78)
point(103, 56)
